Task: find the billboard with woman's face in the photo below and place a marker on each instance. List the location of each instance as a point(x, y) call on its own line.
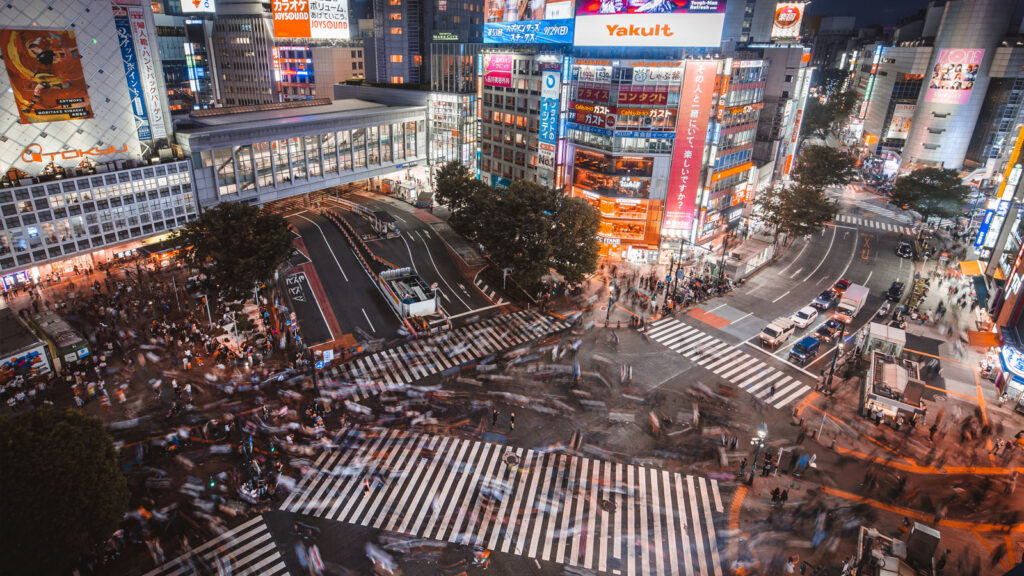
point(953, 76)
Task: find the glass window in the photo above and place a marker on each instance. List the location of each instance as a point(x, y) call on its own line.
point(345, 149)
point(396, 129)
point(396, 58)
point(280, 154)
point(264, 169)
point(373, 146)
point(330, 147)
point(297, 153)
point(313, 154)
point(359, 146)
point(410, 139)
point(224, 164)
point(243, 160)
point(385, 143)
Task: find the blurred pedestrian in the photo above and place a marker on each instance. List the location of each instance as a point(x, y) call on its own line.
point(512, 421)
point(494, 417)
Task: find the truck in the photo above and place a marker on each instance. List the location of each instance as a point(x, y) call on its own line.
point(777, 332)
point(852, 302)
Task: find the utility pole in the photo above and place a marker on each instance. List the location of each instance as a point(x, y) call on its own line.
point(827, 389)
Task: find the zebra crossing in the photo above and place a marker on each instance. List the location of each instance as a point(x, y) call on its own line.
point(247, 549)
point(876, 207)
point(577, 511)
point(489, 292)
point(727, 361)
point(418, 359)
point(872, 223)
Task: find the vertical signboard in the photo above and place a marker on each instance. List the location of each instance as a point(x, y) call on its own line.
point(131, 72)
point(551, 84)
point(788, 16)
point(1011, 177)
point(45, 70)
point(953, 76)
point(147, 71)
point(691, 132)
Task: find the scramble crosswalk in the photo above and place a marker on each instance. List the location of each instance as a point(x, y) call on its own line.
point(247, 549)
point(577, 511)
point(728, 361)
point(872, 223)
point(370, 375)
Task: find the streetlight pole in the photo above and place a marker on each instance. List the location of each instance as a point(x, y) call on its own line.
point(758, 442)
point(827, 388)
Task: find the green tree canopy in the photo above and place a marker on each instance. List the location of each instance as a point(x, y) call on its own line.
point(931, 192)
point(452, 185)
point(63, 493)
point(796, 210)
point(817, 119)
point(823, 166)
point(574, 239)
point(236, 245)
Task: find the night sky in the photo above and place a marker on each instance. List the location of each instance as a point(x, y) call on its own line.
point(868, 12)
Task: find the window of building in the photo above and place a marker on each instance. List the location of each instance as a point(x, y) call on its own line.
point(417, 60)
point(395, 16)
point(395, 2)
point(354, 66)
point(397, 58)
point(396, 29)
point(398, 79)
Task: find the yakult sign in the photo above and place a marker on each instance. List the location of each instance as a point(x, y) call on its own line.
point(691, 133)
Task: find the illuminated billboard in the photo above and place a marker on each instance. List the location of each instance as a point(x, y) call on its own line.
point(45, 70)
point(198, 6)
point(688, 152)
point(953, 76)
point(668, 23)
point(902, 115)
point(311, 19)
point(498, 70)
point(535, 22)
point(788, 16)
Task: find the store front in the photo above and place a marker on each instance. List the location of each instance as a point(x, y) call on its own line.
point(1010, 380)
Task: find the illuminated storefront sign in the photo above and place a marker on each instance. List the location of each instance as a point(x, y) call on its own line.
point(536, 32)
point(1005, 189)
point(688, 152)
point(787, 20)
point(547, 133)
point(195, 6)
point(34, 153)
point(986, 222)
point(497, 70)
point(697, 23)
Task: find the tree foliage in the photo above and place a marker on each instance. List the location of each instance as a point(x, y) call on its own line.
point(931, 192)
point(236, 245)
point(529, 228)
point(63, 493)
point(796, 210)
point(819, 119)
point(823, 166)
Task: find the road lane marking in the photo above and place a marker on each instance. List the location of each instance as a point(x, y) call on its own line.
point(783, 295)
point(345, 276)
point(824, 256)
point(368, 320)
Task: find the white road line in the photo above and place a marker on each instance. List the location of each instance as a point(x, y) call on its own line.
point(328, 244)
point(781, 296)
point(412, 261)
point(824, 256)
point(763, 351)
point(368, 320)
point(716, 562)
point(718, 497)
point(441, 276)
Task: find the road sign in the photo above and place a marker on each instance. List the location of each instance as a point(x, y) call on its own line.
point(328, 356)
point(319, 364)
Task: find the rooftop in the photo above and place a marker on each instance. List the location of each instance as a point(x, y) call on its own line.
point(245, 120)
point(14, 335)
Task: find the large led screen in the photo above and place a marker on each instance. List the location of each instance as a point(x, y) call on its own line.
point(311, 19)
point(45, 70)
point(953, 76)
point(535, 22)
point(669, 23)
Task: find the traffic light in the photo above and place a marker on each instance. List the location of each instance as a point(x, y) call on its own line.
point(212, 483)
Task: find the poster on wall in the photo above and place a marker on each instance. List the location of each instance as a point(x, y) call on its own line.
point(144, 43)
point(498, 70)
point(27, 365)
point(691, 132)
point(953, 76)
point(899, 127)
point(45, 71)
point(788, 16)
point(668, 23)
point(327, 19)
point(130, 62)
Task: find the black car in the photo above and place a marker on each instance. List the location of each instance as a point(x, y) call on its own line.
point(825, 300)
point(904, 250)
point(895, 291)
point(829, 331)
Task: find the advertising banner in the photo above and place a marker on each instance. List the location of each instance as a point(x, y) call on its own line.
point(45, 70)
point(131, 72)
point(1011, 176)
point(688, 152)
point(899, 127)
point(198, 6)
point(147, 71)
point(788, 16)
point(498, 70)
point(986, 222)
point(551, 83)
point(668, 23)
point(531, 32)
point(546, 155)
point(311, 19)
point(953, 76)
point(643, 95)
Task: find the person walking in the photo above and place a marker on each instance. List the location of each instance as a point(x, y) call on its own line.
point(784, 496)
point(512, 421)
point(494, 417)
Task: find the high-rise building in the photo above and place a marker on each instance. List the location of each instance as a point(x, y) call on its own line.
point(787, 85)
point(243, 42)
point(183, 41)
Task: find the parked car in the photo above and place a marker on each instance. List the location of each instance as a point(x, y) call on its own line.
point(829, 331)
point(825, 300)
point(904, 250)
point(805, 350)
point(804, 316)
point(895, 292)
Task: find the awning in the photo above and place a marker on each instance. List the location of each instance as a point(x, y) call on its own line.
point(971, 268)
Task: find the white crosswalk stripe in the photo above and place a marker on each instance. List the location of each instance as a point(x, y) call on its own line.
point(418, 359)
point(578, 511)
point(872, 223)
point(730, 362)
point(247, 549)
point(876, 207)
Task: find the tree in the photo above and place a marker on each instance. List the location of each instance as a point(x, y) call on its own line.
point(817, 119)
point(452, 185)
point(63, 492)
point(823, 166)
point(574, 239)
point(797, 210)
point(236, 245)
point(931, 192)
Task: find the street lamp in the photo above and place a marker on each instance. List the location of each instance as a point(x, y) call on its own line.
point(758, 443)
